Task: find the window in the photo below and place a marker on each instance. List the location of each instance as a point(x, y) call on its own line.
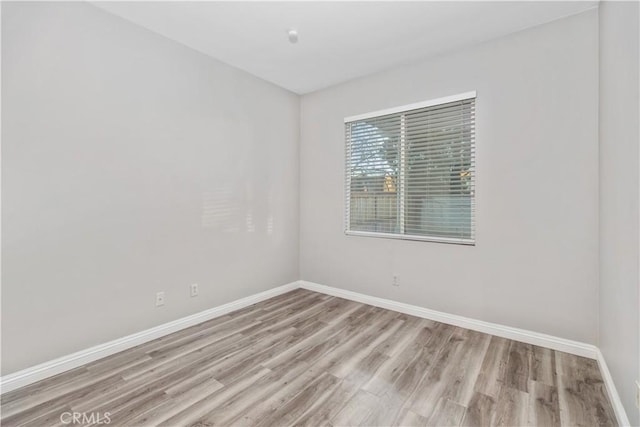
point(410, 171)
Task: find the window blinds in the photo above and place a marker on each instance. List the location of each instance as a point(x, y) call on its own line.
point(410, 171)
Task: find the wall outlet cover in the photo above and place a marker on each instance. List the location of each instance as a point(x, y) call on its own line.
point(396, 280)
point(159, 299)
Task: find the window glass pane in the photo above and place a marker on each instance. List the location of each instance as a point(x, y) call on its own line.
point(439, 190)
point(375, 145)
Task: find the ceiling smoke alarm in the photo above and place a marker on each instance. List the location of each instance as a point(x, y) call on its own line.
point(293, 36)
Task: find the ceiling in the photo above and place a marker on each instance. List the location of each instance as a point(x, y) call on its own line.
point(338, 41)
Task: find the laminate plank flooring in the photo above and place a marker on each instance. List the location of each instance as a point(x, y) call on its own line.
point(307, 359)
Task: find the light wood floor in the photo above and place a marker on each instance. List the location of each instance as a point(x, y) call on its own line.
point(305, 358)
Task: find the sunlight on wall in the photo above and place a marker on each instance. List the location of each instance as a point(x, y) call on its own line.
point(219, 210)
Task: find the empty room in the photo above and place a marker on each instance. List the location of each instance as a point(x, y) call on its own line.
point(320, 213)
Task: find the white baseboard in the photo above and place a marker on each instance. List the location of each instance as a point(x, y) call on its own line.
point(522, 335)
point(529, 337)
point(39, 372)
point(53, 367)
point(614, 397)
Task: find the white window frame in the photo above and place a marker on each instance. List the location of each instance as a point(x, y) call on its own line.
point(401, 109)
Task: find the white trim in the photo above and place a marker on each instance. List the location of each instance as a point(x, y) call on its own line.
point(614, 397)
point(53, 367)
point(529, 337)
point(414, 106)
point(470, 242)
point(36, 373)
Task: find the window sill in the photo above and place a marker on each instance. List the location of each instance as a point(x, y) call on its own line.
point(450, 240)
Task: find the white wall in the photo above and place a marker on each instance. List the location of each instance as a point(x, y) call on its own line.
point(535, 265)
point(132, 164)
point(619, 337)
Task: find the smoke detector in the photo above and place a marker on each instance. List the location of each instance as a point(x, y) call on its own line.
point(293, 36)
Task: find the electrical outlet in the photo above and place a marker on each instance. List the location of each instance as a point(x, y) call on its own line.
point(159, 299)
point(638, 394)
point(194, 290)
point(396, 280)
